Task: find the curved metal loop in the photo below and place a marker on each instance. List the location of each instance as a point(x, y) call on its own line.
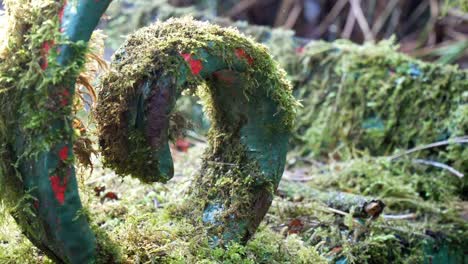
point(247, 99)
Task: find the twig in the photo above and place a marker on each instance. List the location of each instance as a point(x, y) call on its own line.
point(300, 179)
point(429, 50)
point(384, 17)
point(335, 11)
point(357, 10)
point(406, 231)
point(336, 211)
point(393, 23)
point(316, 163)
point(282, 14)
point(348, 29)
point(434, 7)
point(399, 217)
point(457, 140)
point(358, 206)
point(240, 7)
point(293, 16)
point(439, 165)
point(415, 15)
point(458, 36)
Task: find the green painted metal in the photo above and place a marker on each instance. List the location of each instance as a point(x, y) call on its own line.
point(57, 226)
point(250, 117)
point(442, 251)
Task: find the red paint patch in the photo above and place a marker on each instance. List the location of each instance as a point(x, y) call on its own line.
point(46, 46)
point(64, 98)
point(63, 153)
point(58, 188)
point(195, 65)
point(241, 54)
point(61, 14)
point(182, 145)
point(300, 50)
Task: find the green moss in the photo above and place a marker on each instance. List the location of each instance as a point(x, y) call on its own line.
point(461, 4)
point(160, 54)
point(379, 101)
point(28, 27)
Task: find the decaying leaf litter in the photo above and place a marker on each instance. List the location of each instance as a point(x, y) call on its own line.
point(355, 158)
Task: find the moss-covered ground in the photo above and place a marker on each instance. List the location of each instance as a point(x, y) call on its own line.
point(146, 223)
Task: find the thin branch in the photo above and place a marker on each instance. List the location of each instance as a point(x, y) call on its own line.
point(293, 15)
point(457, 140)
point(384, 17)
point(399, 217)
point(282, 14)
point(415, 16)
point(336, 211)
point(335, 11)
point(357, 10)
point(348, 29)
point(406, 231)
point(241, 7)
point(429, 50)
point(439, 165)
point(434, 8)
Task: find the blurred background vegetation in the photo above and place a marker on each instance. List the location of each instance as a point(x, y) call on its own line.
point(433, 30)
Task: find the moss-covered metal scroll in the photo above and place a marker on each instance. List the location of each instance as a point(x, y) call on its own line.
point(244, 93)
point(40, 62)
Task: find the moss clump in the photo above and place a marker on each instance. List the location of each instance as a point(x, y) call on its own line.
point(401, 185)
point(161, 234)
point(23, 100)
point(377, 100)
point(461, 4)
point(156, 50)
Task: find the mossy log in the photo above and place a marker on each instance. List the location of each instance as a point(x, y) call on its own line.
point(372, 98)
point(45, 52)
point(359, 206)
point(245, 95)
